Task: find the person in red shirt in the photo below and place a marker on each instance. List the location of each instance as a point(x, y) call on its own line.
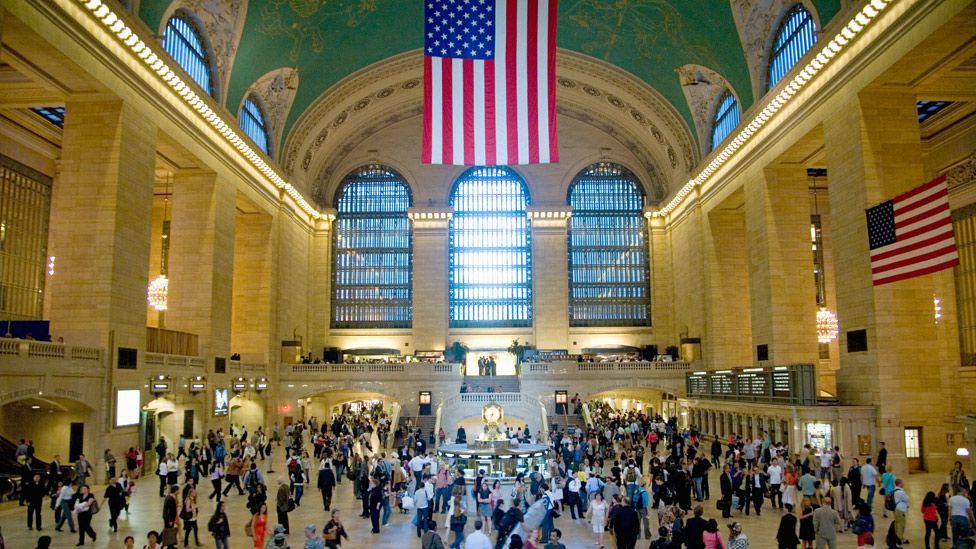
point(930, 514)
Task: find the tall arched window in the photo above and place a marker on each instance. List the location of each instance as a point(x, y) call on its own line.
point(490, 260)
point(184, 43)
point(251, 120)
point(608, 267)
point(797, 34)
point(726, 118)
point(371, 282)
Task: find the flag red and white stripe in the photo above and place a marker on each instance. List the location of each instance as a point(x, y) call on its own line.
point(500, 110)
point(911, 235)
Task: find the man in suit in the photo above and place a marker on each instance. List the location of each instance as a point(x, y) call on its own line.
point(694, 529)
point(826, 523)
point(755, 489)
point(727, 489)
point(625, 524)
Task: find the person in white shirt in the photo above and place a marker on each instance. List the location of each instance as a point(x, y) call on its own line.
point(869, 479)
point(960, 514)
point(422, 497)
point(775, 473)
point(477, 540)
point(826, 457)
point(162, 472)
point(417, 467)
point(65, 495)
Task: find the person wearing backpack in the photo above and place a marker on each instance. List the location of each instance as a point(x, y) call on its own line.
point(631, 475)
point(641, 501)
point(887, 487)
point(863, 524)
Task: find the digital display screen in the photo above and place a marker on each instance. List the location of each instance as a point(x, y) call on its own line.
point(128, 404)
point(221, 402)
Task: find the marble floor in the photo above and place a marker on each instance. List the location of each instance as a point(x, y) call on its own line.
point(146, 515)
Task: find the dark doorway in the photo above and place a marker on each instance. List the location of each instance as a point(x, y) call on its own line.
point(188, 423)
point(76, 441)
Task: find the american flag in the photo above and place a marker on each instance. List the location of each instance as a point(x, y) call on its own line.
point(489, 82)
point(911, 234)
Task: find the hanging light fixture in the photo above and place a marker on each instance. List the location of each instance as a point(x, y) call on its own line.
point(827, 327)
point(157, 294)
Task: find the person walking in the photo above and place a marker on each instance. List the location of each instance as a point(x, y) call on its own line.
point(375, 498)
point(786, 537)
point(283, 504)
point(826, 524)
point(218, 526)
point(326, 483)
point(869, 480)
point(626, 525)
point(421, 499)
point(257, 527)
point(65, 501)
point(712, 538)
point(216, 476)
point(115, 498)
point(334, 531)
point(171, 515)
point(188, 514)
point(85, 507)
point(597, 515)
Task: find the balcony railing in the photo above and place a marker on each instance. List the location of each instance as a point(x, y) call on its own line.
point(43, 349)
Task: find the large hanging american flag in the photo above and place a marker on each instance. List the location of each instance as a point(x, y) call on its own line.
point(911, 234)
point(489, 82)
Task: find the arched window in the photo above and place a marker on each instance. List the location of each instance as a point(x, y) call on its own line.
point(608, 267)
point(726, 118)
point(251, 120)
point(184, 44)
point(490, 261)
point(797, 34)
point(371, 282)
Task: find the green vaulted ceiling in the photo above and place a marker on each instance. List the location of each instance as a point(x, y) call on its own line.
point(329, 39)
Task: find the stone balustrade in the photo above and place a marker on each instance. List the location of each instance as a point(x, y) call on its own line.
point(17, 353)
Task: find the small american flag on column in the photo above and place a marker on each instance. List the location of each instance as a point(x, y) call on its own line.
point(489, 82)
point(911, 234)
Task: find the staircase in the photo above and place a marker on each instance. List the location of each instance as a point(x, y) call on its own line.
point(562, 421)
point(493, 384)
point(424, 423)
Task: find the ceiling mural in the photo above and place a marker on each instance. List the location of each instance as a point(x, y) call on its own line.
point(328, 40)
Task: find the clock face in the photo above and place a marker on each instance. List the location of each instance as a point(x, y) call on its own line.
point(493, 414)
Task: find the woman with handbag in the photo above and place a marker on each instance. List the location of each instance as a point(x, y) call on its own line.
point(334, 531)
point(284, 504)
point(257, 527)
point(219, 527)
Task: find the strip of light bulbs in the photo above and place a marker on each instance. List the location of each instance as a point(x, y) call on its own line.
point(130, 39)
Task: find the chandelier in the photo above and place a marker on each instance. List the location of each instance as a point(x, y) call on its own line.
point(158, 293)
point(826, 325)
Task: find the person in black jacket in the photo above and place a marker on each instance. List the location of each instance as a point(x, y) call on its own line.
point(694, 529)
point(375, 498)
point(33, 493)
point(326, 483)
point(170, 506)
point(786, 537)
point(626, 523)
point(727, 489)
point(115, 497)
point(219, 527)
point(755, 489)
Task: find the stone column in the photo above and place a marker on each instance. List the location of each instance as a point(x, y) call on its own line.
point(874, 153)
point(727, 287)
point(550, 277)
point(252, 321)
point(201, 260)
point(662, 283)
point(100, 225)
point(430, 277)
point(782, 290)
point(320, 286)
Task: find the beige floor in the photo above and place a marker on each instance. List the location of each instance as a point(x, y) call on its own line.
point(146, 512)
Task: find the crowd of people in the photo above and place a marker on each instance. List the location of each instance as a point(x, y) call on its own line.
point(630, 475)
